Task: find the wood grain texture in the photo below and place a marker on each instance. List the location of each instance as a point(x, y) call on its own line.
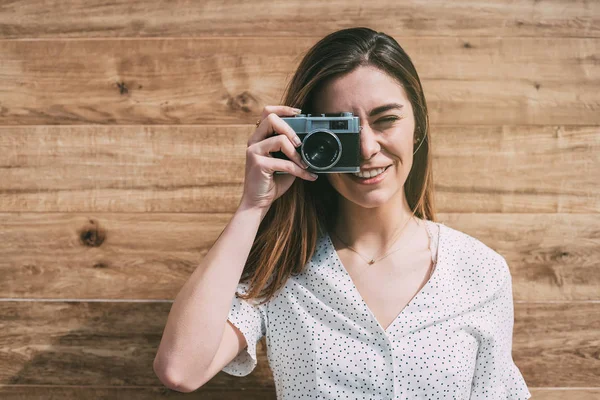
point(26, 392)
point(106, 343)
point(483, 169)
point(295, 18)
point(472, 81)
point(92, 343)
point(565, 393)
point(552, 257)
point(103, 218)
point(57, 392)
point(557, 344)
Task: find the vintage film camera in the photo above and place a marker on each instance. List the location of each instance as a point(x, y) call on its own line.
point(330, 142)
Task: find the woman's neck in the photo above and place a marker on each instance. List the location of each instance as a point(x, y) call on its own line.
point(374, 229)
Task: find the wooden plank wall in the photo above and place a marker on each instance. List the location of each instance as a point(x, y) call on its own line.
point(123, 128)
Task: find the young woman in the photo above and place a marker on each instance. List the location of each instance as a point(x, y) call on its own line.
point(360, 294)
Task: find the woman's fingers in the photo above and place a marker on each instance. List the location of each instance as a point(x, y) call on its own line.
point(279, 143)
point(277, 164)
point(272, 123)
point(279, 110)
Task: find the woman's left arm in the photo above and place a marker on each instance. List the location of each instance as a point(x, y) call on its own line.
point(496, 376)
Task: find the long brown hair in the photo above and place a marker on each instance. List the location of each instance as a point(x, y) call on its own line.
point(287, 236)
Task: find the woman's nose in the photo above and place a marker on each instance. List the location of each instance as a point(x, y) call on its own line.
point(368, 143)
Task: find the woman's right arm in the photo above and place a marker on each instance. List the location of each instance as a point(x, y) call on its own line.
point(197, 340)
point(197, 343)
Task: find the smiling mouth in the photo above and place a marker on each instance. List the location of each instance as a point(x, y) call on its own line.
point(382, 171)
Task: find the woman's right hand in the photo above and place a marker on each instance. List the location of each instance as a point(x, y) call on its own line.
point(261, 187)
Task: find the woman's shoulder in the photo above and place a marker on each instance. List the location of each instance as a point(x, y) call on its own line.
point(463, 243)
point(472, 256)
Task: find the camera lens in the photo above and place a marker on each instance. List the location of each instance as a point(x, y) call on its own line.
point(321, 149)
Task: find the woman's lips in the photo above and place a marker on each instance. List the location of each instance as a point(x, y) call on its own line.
point(371, 181)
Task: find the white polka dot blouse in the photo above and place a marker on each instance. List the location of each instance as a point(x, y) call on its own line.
point(453, 340)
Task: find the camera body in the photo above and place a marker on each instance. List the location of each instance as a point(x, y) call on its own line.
point(330, 142)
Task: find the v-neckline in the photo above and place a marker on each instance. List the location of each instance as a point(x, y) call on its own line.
point(416, 297)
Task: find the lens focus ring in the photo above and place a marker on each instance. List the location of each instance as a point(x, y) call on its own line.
point(321, 149)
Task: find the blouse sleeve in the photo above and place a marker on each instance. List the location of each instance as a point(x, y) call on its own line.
point(496, 375)
point(250, 319)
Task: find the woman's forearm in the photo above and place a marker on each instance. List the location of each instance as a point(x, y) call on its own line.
point(199, 313)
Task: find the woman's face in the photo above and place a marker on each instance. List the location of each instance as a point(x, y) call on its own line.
point(387, 135)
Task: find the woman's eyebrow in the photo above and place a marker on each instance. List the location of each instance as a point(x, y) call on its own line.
point(385, 107)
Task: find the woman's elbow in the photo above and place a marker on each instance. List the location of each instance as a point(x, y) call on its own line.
point(172, 380)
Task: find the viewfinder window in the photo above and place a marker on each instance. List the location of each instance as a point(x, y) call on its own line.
point(338, 124)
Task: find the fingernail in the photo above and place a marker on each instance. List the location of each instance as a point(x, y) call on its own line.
point(314, 176)
point(297, 141)
point(297, 110)
point(303, 164)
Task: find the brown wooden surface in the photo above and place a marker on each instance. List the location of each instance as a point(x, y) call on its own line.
point(122, 135)
point(113, 343)
point(26, 392)
point(483, 169)
point(39, 19)
point(93, 343)
point(56, 392)
point(148, 256)
point(67, 393)
point(467, 81)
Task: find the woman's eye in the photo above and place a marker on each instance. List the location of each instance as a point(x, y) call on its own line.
point(389, 119)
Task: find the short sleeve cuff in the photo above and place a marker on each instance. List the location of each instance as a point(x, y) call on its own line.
point(247, 318)
point(516, 388)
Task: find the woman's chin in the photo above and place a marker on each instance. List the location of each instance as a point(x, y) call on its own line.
point(371, 199)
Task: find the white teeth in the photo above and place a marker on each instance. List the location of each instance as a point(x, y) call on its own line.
point(370, 173)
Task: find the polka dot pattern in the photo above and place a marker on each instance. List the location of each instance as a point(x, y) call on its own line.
point(452, 340)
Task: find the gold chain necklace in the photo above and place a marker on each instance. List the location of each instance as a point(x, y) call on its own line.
point(373, 260)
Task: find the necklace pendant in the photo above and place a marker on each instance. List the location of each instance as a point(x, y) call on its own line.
point(371, 262)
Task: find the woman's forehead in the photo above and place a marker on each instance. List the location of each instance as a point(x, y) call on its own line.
point(359, 91)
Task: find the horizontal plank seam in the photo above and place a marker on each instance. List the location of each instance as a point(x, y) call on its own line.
point(267, 389)
point(508, 214)
point(563, 388)
point(251, 125)
point(555, 301)
point(289, 37)
point(9, 299)
point(89, 300)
